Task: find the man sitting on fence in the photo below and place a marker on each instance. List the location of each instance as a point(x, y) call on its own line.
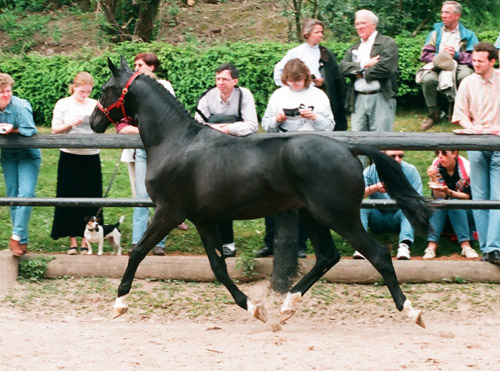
point(389, 220)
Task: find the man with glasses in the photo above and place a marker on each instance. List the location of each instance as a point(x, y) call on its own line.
point(477, 107)
point(389, 220)
point(371, 64)
point(230, 109)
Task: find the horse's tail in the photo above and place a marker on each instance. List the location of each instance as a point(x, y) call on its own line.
point(413, 205)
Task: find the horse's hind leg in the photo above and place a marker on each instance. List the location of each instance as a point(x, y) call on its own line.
point(380, 258)
point(156, 231)
point(327, 256)
point(210, 236)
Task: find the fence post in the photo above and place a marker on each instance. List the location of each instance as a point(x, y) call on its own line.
point(286, 240)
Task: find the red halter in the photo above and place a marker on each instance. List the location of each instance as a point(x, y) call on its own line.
point(120, 102)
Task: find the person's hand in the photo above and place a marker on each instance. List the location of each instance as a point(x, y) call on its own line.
point(6, 128)
point(433, 172)
point(128, 129)
point(450, 49)
point(372, 61)
point(381, 187)
point(76, 122)
point(307, 114)
point(280, 117)
point(439, 187)
point(318, 81)
point(224, 128)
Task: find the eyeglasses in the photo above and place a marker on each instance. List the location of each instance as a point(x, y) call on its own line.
point(400, 155)
point(444, 153)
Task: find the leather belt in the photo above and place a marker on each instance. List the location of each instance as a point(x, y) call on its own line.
point(369, 92)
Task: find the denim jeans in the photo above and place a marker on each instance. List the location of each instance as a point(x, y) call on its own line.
point(389, 221)
point(458, 220)
point(141, 214)
point(20, 177)
point(485, 185)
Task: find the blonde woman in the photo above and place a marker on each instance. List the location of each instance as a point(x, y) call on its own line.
point(79, 169)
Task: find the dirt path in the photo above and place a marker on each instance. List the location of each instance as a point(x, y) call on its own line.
point(64, 325)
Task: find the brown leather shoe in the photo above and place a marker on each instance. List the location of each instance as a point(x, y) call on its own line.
point(16, 248)
point(429, 121)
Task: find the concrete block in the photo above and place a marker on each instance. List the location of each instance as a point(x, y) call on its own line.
point(9, 269)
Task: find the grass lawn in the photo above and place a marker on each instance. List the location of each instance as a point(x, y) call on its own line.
point(248, 234)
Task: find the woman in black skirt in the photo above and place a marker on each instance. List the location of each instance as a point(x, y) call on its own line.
point(79, 169)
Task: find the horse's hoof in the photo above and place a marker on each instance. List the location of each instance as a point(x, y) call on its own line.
point(260, 312)
point(419, 320)
point(117, 312)
point(286, 314)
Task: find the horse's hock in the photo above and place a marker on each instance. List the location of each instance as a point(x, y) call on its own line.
point(197, 268)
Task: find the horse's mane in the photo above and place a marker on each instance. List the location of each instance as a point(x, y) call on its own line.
point(173, 103)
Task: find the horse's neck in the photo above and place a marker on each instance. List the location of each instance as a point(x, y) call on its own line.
point(160, 117)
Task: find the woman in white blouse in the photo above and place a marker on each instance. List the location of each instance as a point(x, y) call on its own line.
point(298, 105)
point(79, 169)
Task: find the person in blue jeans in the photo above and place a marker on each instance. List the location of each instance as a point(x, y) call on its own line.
point(20, 165)
point(389, 220)
point(449, 176)
point(146, 63)
point(477, 107)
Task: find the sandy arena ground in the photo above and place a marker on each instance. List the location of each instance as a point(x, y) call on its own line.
point(65, 325)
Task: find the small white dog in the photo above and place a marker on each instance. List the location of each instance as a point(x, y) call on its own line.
point(97, 233)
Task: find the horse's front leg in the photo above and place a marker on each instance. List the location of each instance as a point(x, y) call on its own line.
point(159, 227)
point(210, 236)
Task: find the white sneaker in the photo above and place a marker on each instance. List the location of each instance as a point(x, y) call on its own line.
point(358, 255)
point(469, 252)
point(429, 253)
point(403, 252)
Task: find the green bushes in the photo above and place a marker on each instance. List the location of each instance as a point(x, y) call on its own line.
point(43, 80)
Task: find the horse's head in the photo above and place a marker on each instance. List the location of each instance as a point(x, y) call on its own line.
point(110, 108)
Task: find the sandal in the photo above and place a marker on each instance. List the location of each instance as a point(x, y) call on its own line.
point(84, 251)
point(73, 250)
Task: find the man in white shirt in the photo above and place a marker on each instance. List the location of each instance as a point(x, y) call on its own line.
point(372, 66)
point(477, 105)
point(227, 107)
point(231, 110)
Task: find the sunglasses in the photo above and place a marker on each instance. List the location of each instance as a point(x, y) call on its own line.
point(400, 155)
point(444, 153)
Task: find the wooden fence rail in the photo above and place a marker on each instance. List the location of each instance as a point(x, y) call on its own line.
point(387, 140)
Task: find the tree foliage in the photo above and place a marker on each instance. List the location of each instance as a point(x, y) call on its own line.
point(395, 16)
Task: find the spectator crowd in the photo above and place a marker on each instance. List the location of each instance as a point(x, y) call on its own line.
point(315, 92)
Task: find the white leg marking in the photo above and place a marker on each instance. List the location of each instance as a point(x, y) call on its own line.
point(120, 307)
point(258, 311)
point(288, 307)
point(414, 315)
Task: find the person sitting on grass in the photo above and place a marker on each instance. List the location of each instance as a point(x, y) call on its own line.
point(449, 175)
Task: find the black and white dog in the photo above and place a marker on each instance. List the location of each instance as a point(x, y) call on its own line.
point(97, 233)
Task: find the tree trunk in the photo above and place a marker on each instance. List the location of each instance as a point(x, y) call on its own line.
point(148, 10)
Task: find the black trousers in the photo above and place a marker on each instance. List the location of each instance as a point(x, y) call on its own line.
point(270, 222)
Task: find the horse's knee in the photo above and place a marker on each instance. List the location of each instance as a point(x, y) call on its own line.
point(328, 259)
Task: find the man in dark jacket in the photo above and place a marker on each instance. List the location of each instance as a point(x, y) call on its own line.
point(372, 66)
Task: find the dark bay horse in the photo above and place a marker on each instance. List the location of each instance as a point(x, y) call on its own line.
point(201, 174)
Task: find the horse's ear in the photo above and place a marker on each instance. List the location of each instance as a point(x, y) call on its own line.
point(112, 67)
point(124, 64)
